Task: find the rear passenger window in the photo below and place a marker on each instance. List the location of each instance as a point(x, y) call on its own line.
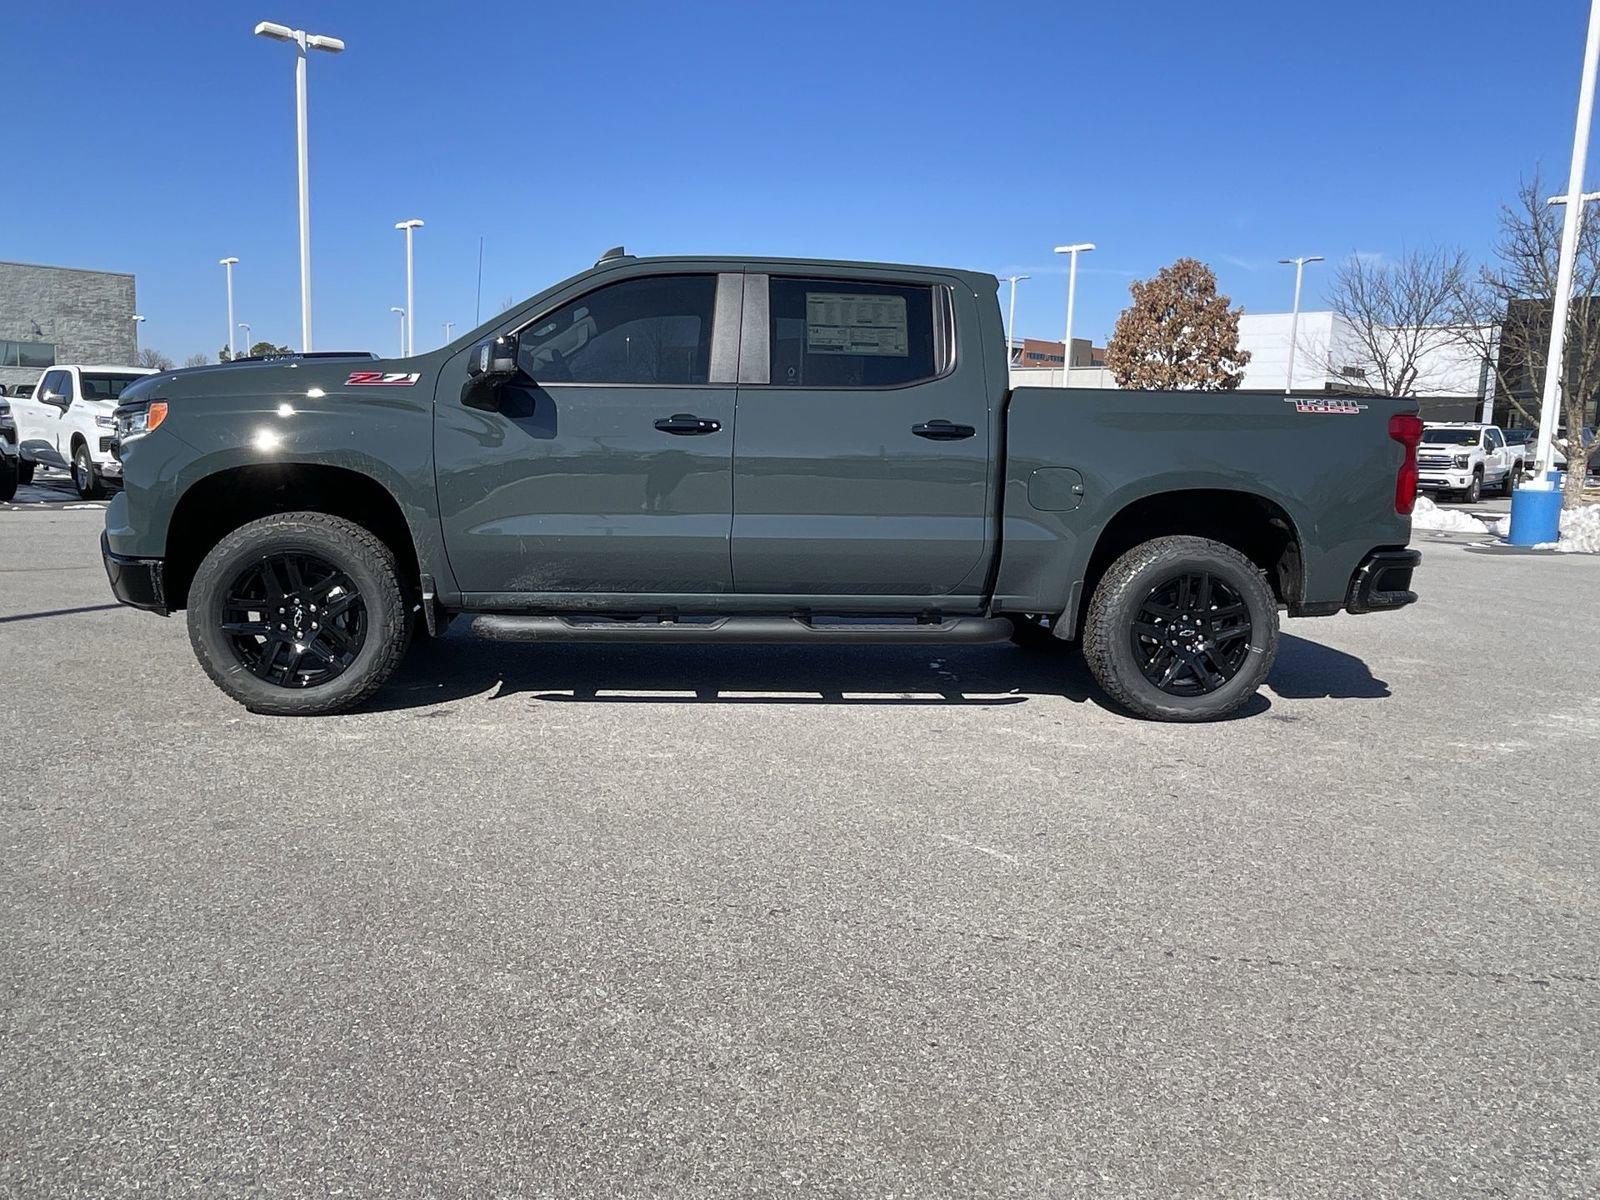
point(847, 333)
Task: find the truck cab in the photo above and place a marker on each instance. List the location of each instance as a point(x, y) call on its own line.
point(68, 420)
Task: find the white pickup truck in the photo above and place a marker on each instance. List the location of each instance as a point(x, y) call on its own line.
point(67, 423)
point(1466, 458)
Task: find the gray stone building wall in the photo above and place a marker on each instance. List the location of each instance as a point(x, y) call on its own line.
point(86, 315)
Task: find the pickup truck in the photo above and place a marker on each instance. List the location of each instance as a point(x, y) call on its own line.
point(1467, 458)
point(68, 421)
point(746, 450)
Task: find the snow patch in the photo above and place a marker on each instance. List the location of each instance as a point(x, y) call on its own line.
point(1428, 515)
point(1580, 531)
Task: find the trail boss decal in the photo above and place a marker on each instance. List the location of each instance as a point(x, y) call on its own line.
point(1334, 405)
point(381, 379)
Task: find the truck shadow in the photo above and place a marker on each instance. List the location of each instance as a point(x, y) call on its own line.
point(928, 676)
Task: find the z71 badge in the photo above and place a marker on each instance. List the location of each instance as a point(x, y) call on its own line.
point(381, 379)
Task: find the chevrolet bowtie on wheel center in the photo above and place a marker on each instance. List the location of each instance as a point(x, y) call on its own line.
point(743, 450)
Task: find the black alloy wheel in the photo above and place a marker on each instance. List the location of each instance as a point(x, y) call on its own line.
point(294, 620)
point(1191, 634)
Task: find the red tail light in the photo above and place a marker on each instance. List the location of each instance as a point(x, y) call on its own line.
point(1406, 428)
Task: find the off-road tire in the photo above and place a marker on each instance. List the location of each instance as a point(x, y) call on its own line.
point(1124, 588)
point(84, 476)
point(8, 478)
point(353, 549)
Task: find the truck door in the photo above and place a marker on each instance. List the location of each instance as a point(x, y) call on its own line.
point(607, 466)
point(40, 418)
point(861, 457)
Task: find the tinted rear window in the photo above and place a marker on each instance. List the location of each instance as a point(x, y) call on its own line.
point(103, 386)
point(846, 333)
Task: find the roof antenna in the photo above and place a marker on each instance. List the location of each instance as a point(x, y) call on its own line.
point(613, 254)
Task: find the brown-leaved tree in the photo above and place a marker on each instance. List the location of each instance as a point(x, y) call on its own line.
point(1178, 333)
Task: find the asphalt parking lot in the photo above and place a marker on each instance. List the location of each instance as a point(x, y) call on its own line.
point(580, 921)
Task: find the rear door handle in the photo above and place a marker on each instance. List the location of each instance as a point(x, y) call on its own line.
point(943, 431)
point(687, 424)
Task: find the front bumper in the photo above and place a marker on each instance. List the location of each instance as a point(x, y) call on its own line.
point(1383, 581)
point(136, 582)
point(1445, 481)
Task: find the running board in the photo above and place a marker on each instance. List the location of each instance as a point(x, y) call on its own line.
point(742, 630)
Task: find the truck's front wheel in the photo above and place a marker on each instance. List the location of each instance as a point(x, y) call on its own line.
point(1181, 629)
point(299, 614)
point(8, 477)
point(85, 477)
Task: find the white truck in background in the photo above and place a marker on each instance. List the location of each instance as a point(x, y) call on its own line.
point(1466, 458)
point(67, 423)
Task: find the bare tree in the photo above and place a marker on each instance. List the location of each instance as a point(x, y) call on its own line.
point(1505, 314)
point(155, 360)
point(1401, 318)
point(1178, 333)
point(196, 360)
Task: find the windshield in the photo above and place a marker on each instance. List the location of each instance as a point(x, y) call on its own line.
point(104, 387)
point(1449, 437)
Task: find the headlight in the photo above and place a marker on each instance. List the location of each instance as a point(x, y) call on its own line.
point(135, 421)
point(106, 422)
point(1463, 461)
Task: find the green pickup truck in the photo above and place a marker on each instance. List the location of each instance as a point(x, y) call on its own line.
point(748, 450)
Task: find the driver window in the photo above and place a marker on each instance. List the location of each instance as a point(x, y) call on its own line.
point(66, 387)
point(655, 330)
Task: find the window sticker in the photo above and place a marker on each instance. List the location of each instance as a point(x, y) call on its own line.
point(853, 323)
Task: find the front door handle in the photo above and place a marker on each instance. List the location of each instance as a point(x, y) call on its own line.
point(687, 424)
point(943, 431)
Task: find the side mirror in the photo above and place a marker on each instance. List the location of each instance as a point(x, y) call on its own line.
point(55, 399)
point(494, 359)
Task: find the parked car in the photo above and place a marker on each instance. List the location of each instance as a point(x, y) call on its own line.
point(68, 423)
point(751, 450)
point(9, 476)
point(1466, 458)
point(16, 389)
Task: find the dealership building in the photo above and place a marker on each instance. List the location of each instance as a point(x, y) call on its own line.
point(52, 315)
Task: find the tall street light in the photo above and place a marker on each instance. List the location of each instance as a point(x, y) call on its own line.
point(302, 42)
point(1294, 316)
point(245, 325)
point(410, 227)
point(137, 321)
point(395, 308)
point(1011, 315)
point(1072, 295)
point(227, 265)
point(448, 326)
point(1555, 363)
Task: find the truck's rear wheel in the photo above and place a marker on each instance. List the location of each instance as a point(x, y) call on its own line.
point(84, 476)
point(8, 477)
point(299, 614)
point(24, 471)
point(1181, 629)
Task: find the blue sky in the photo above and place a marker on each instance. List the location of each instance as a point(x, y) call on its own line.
point(157, 138)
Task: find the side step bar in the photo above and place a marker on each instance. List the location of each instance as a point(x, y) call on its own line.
point(742, 630)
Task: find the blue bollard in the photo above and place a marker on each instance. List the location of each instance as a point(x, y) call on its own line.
point(1535, 517)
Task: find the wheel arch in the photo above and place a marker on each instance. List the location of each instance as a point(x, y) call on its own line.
point(1256, 525)
point(218, 503)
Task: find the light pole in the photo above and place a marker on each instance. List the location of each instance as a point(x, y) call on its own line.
point(137, 321)
point(245, 325)
point(1011, 314)
point(1072, 295)
point(1555, 361)
point(302, 41)
point(411, 301)
point(1294, 316)
point(227, 265)
point(395, 308)
point(448, 326)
